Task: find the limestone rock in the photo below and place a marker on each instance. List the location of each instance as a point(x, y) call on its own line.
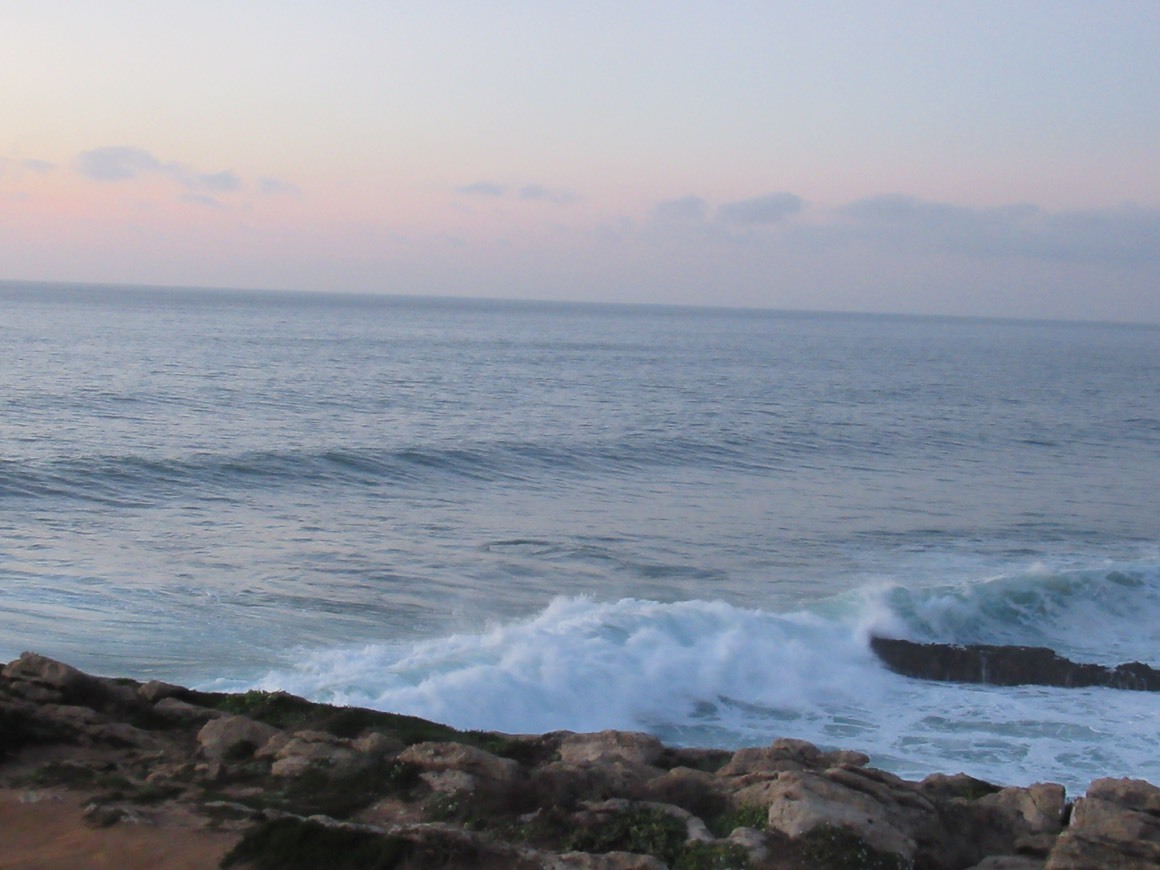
point(753, 842)
point(156, 690)
point(174, 710)
point(457, 756)
point(801, 802)
point(1132, 794)
point(219, 738)
point(1037, 809)
point(694, 790)
point(72, 686)
point(605, 746)
point(782, 755)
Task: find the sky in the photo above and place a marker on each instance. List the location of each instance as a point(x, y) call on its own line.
point(967, 158)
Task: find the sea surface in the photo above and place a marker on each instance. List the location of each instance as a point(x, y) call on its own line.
point(524, 517)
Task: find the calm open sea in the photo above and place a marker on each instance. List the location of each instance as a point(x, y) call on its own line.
point(535, 516)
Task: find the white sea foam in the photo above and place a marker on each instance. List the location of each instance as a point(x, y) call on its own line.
point(707, 673)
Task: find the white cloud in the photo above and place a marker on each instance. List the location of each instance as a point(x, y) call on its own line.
point(771, 208)
point(539, 193)
point(687, 209)
point(527, 193)
point(482, 188)
point(125, 163)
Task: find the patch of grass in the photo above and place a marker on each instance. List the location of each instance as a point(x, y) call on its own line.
point(64, 773)
point(641, 830)
point(525, 751)
point(747, 816)
point(290, 712)
point(294, 844)
point(280, 709)
point(835, 848)
point(712, 856)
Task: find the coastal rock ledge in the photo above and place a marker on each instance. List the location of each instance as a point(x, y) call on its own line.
point(98, 772)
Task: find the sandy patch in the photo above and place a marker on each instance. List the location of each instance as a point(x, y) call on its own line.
point(43, 829)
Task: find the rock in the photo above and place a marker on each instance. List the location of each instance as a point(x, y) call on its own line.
point(696, 791)
point(560, 782)
point(801, 802)
point(940, 786)
point(155, 690)
point(1009, 821)
point(457, 756)
point(1131, 794)
point(227, 736)
point(150, 753)
point(449, 781)
point(752, 841)
point(607, 746)
point(1037, 809)
point(1116, 825)
point(1007, 666)
point(42, 679)
point(294, 754)
point(1009, 862)
point(173, 710)
point(606, 861)
point(34, 668)
point(377, 745)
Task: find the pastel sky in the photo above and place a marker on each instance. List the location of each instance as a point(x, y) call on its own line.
point(975, 158)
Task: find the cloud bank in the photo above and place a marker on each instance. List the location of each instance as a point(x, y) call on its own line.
point(123, 163)
point(527, 192)
point(1126, 235)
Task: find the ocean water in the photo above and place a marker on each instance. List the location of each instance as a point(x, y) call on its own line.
point(537, 516)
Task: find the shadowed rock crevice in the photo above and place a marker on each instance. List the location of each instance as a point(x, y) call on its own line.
point(1007, 666)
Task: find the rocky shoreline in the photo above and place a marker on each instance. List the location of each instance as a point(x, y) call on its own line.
point(99, 772)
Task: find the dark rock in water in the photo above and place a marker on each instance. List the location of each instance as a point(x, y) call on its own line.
point(1007, 666)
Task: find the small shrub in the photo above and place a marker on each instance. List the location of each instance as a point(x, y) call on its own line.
point(643, 830)
point(712, 856)
point(294, 844)
point(65, 773)
point(747, 816)
point(837, 848)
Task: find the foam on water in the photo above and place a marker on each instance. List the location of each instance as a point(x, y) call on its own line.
point(708, 673)
point(1108, 614)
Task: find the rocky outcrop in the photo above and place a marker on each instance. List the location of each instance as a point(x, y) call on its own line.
point(298, 783)
point(1007, 666)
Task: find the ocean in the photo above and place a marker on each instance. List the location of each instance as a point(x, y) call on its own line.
point(536, 516)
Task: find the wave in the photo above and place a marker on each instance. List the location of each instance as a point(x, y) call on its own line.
point(1107, 614)
point(710, 673)
point(134, 479)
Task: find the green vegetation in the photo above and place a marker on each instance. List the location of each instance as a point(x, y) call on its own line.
point(291, 713)
point(294, 844)
point(712, 856)
point(834, 848)
point(641, 830)
point(747, 816)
